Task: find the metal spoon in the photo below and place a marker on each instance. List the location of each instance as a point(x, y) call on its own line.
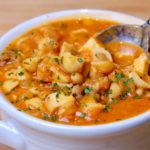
point(136, 34)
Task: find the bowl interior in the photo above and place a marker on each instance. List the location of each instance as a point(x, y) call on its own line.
point(57, 128)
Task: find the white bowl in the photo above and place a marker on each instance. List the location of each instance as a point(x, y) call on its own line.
point(23, 131)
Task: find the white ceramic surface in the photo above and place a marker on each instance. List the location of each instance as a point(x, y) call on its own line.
point(24, 132)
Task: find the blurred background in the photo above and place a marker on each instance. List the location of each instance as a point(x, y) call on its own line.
point(13, 12)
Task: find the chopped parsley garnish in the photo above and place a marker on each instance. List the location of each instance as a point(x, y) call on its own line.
point(137, 97)
point(57, 93)
point(107, 108)
point(95, 98)
point(46, 116)
point(84, 105)
point(80, 60)
point(114, 101)
point(67, 91)
point(1, 83)
point(73, 73)
point(88, 90)
point(10, 73)
point(130, 80)
point(21, 73)
point(25, 97)
point(83, 115)
point(26, 63)
point(16, 53)
point(58, 77)
point(109, 91)
point(61, 60)
point(55, 84)
point(125, 93)
point(53, 118)
point(119, 76)
point(52, 42)
point(56, 60)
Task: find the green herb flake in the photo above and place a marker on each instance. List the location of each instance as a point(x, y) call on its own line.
point(57, 93)
point(119, 76)
point(137, 97)
point(53, 118)
point(123, 95)
point(10, 73)
point(58, 77)
point(88, 90)
point(55, 84)
point(84, 105)
point(26, 63)
point(56, 60)
point(1, 83)
point(107, 108)
point(74, 73)
point(114, 101)
point(61, 60)
point(95, 98)
point(52, 42)
point(130, 80)
point(46, 116)
point(16, 53)
point(67, 91)
point(25, 98)
point(39, 109)
point(80, 60)
point(83, 115)
point(21, 73)
point(109, 91)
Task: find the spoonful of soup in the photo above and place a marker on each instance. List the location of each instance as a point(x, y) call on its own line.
point(138, 35)
point(125, 42)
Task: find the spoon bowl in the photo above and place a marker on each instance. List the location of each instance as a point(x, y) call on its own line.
point(135, 34)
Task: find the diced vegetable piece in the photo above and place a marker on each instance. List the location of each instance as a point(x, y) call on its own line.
point(77, 78)
point(46, 45)
point(30, 64)
point(94, 48)
point(9, 85)
point(34, 90)
point(141, 64)
point(72, 63)
point(60, 76)
point(34, 103)
point(104, 67)
point(57, 100)
point(66, 47)
point(116, 90)
point(139, 91)
point(138, 81)
point(18, 74)
point(90, 107)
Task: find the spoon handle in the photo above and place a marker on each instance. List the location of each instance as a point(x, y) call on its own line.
point(146, 35)
point(146, 24)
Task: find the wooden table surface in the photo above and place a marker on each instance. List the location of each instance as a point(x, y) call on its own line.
point(13, 12)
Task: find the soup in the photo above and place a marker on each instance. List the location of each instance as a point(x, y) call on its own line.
point(58, 72)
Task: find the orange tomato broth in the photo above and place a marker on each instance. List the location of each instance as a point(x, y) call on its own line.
point(122, 110)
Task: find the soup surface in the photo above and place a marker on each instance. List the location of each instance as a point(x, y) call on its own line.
point(58, 72)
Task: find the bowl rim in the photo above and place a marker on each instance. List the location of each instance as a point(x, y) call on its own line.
point(63, 129)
